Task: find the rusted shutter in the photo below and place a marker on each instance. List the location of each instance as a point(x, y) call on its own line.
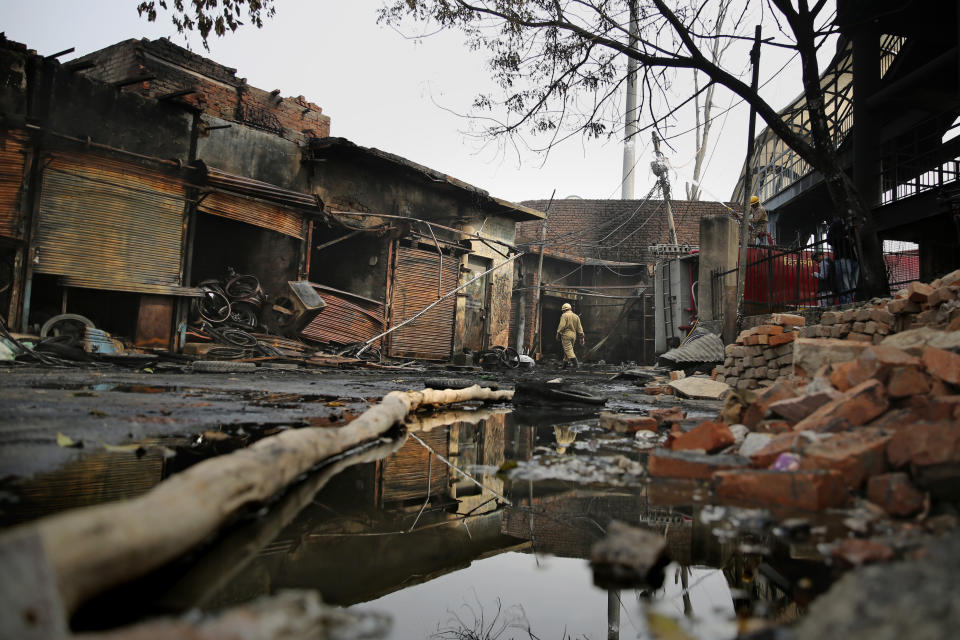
point(415, 287)
point(256, 212)
point(13, 148)
point(108, 224)
point(405, 473)
point(347, 318)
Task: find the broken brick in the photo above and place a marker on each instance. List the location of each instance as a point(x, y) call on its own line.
point(706, 436)
point(907, 381)
point(859, 405)
point(780, 390)
point(790, 442)
point(925, 444)
point(857, 551)
point(798, 408)
point(783, 338)
point(809, 354)
point(653, 389)
point(690, 464)
point(918, 292)
point(895, 494)
point(942, 364)
point(788, 320)
point(769, 330)
point(667, 416)
point(626, 422)
point(856, 454)
point(809, 490)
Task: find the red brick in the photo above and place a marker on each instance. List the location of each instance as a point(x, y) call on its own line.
point(895, 494)
point(780, 390)
point(788, 442)
point(907, 381)
point(688, 464)
point(918, 292)
point(756, 340)
point(846, 375)
point(783, 338)
point(857, 551)
point(942, 364)
point(859, 405)
point(925, 444)
point(788, 320)
point(667, 416)
point(706, 436)
point(856, 454)
point(798, 408)
point(945, 407)
point(941, 295)
point(809, 490)
point(809, 354)
point(769, 330)
point(627, 423)
point(653, 389)
point(896, 419)
point(773, 425)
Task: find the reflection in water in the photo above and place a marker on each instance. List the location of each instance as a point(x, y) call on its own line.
point(449, 546)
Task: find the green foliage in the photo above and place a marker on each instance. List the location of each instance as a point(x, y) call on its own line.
point(204, 16)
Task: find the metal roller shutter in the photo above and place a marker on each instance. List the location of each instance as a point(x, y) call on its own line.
point(347, 318)
point(430, 336)
point(13, 149)
point(108, 224)
point(256, 212)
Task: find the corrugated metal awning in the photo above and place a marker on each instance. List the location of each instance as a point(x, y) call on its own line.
point(218, 179)
point(701, 347)
point(255, 212)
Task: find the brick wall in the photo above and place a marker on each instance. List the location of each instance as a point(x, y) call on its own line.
point(619, 230)
point(219, 92)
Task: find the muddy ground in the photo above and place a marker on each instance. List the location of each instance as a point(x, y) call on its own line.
point(502, 553)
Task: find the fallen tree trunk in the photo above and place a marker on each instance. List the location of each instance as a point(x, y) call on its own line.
point(290, 615)
point(93, 549)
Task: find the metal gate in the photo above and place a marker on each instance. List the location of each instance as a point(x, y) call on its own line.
point(108, 224)
point(13, 150)
point(418, 279)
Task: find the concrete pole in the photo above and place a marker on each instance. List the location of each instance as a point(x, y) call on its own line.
point(538, 315)
point(748, 181)
point(630, 117)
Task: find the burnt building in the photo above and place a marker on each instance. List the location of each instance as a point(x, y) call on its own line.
point(600, 256)
point(892, 100)
point(135, 174)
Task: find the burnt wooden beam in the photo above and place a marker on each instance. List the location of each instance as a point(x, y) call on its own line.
point(119, 84)
point(80, 65)
point(54, 56)
point(177, 94)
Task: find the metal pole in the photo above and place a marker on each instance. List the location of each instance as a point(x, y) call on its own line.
point(748, 181)
point(664, 179)
point(630, 117)
point(537, 312)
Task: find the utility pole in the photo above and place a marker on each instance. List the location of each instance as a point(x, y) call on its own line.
point(659, 168)
point(748, 182)
point(630, 117)
point(537, 336)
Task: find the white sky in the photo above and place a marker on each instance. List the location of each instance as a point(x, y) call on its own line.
point(400, 95)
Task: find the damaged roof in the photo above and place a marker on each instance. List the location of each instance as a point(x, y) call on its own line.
point(322, 148)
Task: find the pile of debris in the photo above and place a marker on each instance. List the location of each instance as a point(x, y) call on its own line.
point(887, 419)
point(761, 354)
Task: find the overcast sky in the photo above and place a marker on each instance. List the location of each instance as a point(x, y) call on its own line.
point(383, 89)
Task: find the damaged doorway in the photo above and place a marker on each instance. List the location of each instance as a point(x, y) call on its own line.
point(476, 300)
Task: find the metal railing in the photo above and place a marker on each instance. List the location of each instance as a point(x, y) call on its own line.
point(780, 279)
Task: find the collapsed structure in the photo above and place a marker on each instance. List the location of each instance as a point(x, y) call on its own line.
point(136, 174)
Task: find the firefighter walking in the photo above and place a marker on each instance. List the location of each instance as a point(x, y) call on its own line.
point(568, 331)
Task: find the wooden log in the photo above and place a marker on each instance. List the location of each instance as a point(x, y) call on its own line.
point(290, 615)
point(93, 549)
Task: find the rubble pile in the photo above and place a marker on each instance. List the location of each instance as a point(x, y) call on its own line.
point(761, 354)
point(765, 353)
point(884, 423)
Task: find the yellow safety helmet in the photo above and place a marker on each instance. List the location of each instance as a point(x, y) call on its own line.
point(754, 200)
point(566, 307)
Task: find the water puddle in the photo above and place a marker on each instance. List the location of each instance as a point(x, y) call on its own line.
point(477, 523)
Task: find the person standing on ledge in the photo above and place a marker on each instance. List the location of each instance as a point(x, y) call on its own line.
point(569, 330)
